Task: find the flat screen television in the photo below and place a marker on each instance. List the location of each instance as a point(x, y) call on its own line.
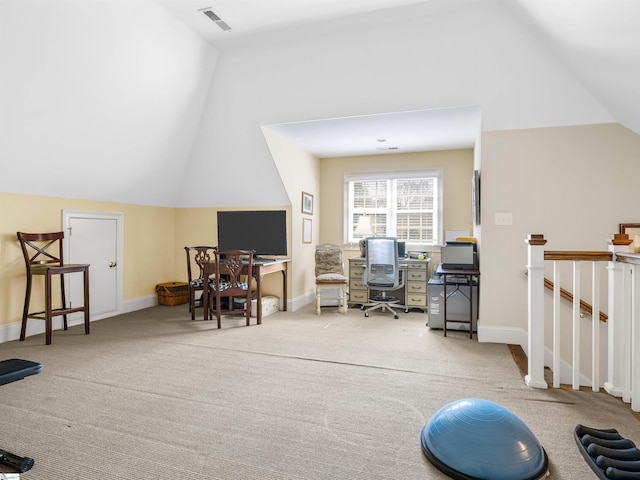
point(264, 231)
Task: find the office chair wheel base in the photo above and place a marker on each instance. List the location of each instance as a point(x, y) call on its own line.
point(396, 317)
point(366, 314)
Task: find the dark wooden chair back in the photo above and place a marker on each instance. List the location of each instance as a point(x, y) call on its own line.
point(41, 248)
point(196, 258)
point(233, 283)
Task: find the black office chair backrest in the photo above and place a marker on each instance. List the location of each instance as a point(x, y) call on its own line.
point(382, 271)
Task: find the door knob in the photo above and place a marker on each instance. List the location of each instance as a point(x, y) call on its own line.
point(112, 264)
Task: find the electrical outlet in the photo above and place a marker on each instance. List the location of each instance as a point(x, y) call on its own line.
point(503, 219)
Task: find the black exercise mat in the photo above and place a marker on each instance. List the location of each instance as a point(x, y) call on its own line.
point(16, 369)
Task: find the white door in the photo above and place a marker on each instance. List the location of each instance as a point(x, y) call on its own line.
point(95, 238)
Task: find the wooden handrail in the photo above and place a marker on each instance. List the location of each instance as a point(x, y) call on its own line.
point(567, 295)
point(578, 256)
point(569, 255)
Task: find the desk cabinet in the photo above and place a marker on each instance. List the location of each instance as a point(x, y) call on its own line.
point(417, 277)
point(358, 293)
point(412, 295)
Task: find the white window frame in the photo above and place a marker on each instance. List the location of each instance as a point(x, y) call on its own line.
point(396, 175)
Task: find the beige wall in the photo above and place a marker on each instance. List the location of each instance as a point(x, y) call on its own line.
point(572, 184)
point(300, 172)
point(154, 241)
point(149, 244)
point(457, 166)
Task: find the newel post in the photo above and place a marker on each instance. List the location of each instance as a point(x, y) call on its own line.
point(617, 328)
point(535, 268)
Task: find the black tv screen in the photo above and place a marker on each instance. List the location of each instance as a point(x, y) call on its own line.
point(264, 231)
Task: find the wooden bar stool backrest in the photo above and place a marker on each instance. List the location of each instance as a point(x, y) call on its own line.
point(42, 248)
point(43, 255)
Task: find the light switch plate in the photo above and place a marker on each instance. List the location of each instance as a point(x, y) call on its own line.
point(503, 219)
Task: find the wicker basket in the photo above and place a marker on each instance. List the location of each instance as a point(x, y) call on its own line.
point(173, 293)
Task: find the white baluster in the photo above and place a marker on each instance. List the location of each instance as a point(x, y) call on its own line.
point(595, 328)
point(535, 341)
point(576, 326)
point(556, 324)
point(615, 324)
point(635, 338)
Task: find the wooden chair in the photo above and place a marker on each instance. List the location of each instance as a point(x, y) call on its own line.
point(197, 256)
point(330, 274)
point(230, 266)
point(43, 256)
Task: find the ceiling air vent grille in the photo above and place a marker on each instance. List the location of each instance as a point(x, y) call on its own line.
point(217, 20)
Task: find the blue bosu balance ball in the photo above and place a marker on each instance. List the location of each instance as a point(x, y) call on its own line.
point(475, 439)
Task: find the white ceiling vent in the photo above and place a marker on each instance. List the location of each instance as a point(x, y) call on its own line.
point(216, 19)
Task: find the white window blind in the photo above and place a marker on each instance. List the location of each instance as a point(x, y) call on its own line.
point(406, 205)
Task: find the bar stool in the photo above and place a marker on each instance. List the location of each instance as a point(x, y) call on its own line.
point(43, 258)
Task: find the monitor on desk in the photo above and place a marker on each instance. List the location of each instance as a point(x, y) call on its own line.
point(402, 250)
point(264, 231)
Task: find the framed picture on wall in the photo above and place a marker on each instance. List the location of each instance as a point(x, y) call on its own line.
point(307, 203)
point(630, 229)
point(633, 230)
point(475, 197)
point(306, 230)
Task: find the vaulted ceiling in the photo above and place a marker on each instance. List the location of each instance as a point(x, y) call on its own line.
point(136, 96)
point(597, 40)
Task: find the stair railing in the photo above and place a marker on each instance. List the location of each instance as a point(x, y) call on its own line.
point(623, 326)
point(624, 334)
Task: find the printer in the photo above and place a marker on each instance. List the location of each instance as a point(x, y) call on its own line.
point(459, 255)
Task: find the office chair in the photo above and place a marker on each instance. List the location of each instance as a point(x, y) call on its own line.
point(197, 256)
point(43, 256)
point(330, 274)
point(382, 274)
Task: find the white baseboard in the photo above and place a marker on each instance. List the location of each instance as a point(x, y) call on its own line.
point(506, 335)
point(139, 303)
point(297, 303)
point(9, 333)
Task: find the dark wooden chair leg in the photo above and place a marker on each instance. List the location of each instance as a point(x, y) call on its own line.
point(25, 311)
point(47, 310)
point(87, 319)
point(64, 301)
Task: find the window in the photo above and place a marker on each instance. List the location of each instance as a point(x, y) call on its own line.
point(406, 205)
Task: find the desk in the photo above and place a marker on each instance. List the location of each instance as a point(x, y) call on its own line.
point(260, 268)
point(469, 274)
point(413, 294)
